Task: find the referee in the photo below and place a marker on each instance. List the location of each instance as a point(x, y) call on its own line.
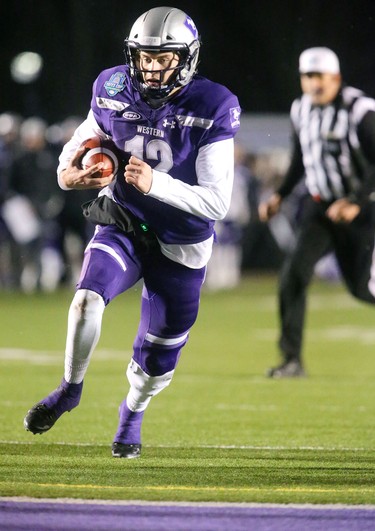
point(333, 149)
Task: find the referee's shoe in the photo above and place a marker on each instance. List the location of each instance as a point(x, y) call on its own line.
point(288, 369)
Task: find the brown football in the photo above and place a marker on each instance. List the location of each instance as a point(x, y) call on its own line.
point(97, 150)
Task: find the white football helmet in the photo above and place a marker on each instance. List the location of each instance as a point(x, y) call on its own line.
point(163, 29)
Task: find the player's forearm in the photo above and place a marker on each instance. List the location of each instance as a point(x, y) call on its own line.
point(88, 129)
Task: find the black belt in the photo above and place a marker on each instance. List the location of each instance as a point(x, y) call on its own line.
point(105, 211)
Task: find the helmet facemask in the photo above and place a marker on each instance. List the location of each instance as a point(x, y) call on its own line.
point(157, 95)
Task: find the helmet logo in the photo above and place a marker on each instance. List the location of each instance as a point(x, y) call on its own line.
point(115, 84)
point(129, 115)
point(191, 26)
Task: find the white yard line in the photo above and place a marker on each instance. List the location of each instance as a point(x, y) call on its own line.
point(204, 446)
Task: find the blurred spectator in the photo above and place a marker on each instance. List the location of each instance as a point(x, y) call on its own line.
point(9, 144)
point(34, 202)
point(263, 248)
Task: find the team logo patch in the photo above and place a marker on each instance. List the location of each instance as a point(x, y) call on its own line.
point(235, 113)
point(130, 115)
point(115, 84)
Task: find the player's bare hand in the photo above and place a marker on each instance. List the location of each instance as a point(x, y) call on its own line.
point(269, 208)
point(76, 178)
point(343, 211)
point(139, 174)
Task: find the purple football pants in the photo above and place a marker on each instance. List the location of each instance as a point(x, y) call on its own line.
point(170, 297)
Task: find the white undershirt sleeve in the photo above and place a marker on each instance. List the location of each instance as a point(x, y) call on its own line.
point(211, 197)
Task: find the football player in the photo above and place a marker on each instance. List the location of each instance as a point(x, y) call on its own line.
point(174, 131)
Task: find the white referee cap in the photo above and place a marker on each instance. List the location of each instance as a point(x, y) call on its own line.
point(320, 59)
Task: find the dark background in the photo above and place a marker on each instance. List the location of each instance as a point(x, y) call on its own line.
point(250, 46)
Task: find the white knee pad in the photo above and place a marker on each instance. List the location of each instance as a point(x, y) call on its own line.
point(86, 303)
point(143, 386)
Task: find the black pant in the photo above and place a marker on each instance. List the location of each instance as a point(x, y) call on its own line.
point(353, 245)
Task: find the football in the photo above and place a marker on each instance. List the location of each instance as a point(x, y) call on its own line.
point(97, 150)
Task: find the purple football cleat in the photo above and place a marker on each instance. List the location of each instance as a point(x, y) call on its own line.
point(127, 441)
point(45, 413)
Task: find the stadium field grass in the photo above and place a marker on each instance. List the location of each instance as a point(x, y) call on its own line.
point(221, 431)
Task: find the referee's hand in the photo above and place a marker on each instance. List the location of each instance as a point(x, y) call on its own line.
point(343, 211)
point(269, 208)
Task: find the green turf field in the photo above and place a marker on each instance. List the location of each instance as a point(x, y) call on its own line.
point(221, 431)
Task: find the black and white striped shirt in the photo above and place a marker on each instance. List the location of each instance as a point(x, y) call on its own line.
point(334, 145)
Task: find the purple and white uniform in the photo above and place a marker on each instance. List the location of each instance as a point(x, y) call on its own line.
point(189, 144)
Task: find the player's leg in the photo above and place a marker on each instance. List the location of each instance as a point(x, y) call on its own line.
point(313, 241)
point(84, 322)
point(170, 302)
point(108, 269)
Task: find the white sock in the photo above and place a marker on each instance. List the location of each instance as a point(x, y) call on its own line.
point(84, 326)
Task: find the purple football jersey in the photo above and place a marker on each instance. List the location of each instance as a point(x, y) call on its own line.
point(168, 139)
